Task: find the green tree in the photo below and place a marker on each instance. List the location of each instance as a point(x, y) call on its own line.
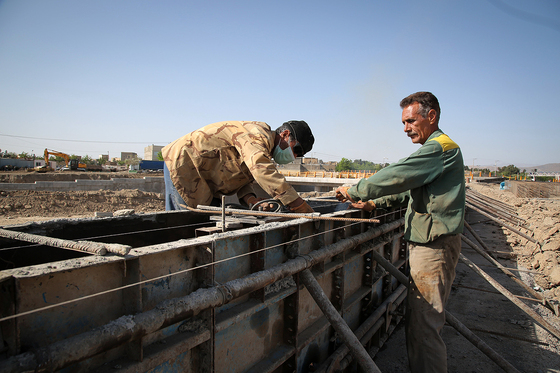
point(508, 170)
point(160, 156)
point(362, 165)
point(87, 159)
point(344, 165)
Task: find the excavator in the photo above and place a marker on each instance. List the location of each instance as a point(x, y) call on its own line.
point(72, 164)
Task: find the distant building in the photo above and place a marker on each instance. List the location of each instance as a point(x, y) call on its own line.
point(310, 161)
point(104, 156)
point(128, 155)
point(308, 165)
point(151, 152)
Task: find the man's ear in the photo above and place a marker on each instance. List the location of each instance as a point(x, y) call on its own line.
point(285, 135)
point(432, 115)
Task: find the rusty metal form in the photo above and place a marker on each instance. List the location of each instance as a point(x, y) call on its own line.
point(183, 300)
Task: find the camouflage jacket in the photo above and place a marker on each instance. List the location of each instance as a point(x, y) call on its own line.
point(224, 158)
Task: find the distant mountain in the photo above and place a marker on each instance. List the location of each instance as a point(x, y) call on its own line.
point(549, 167)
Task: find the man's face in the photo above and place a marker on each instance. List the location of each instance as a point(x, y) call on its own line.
point(417, 127)
point(285, 142)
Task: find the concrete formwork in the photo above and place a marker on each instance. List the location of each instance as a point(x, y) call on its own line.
point(186, 301)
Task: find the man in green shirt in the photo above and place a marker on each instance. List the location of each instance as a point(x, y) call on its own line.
point(431, 183)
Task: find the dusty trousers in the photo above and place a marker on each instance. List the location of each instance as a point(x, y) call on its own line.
point(432, 271)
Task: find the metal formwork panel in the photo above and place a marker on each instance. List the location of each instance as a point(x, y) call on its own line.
point(250, 340)
point(159, 264)
point(204, 312)
point(44, 288)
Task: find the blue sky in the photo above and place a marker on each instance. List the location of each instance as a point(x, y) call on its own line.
point(119, 75)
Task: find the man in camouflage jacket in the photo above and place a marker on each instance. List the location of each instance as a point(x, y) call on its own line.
point(226, 157)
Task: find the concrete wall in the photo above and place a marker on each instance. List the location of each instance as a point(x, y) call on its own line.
point(21, 163)
point(146, 184)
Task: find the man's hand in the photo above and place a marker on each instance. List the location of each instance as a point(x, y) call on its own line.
point(300, 206)
point(342, 195)
point(368, 206)
point(251, 200)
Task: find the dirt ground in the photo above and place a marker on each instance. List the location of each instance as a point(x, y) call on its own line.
point(17, 207)
point(495, 319)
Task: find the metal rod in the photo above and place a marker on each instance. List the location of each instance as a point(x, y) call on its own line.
point(496, 214)
point(491, 200)
point(477, 237)
point(496, 292)
point(479, 343)
point(389, 267)
point(345, 333)
point(493, 205)
point(313, 216)
point(502, 223)
point(551, 329)
point(223, 213)
point(510, 336)
point(90, 247)
point(364, 332)
point(127, 328)
point(502, 268)
point(492, 208)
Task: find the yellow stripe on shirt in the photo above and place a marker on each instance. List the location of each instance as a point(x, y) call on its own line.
point(445, 142)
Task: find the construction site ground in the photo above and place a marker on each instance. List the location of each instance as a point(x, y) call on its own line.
point(474, 302)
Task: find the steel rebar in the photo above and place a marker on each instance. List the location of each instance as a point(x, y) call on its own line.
point(502, 268)
point(364, 332)
point(288, 215)
point(357, 350)
point(479, 343)
point(530, 312)
point(497, 214)
point(90, 247)
point(492, 200)
point(503, 224)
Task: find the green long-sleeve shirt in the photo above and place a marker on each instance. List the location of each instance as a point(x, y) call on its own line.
point(432, 182)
